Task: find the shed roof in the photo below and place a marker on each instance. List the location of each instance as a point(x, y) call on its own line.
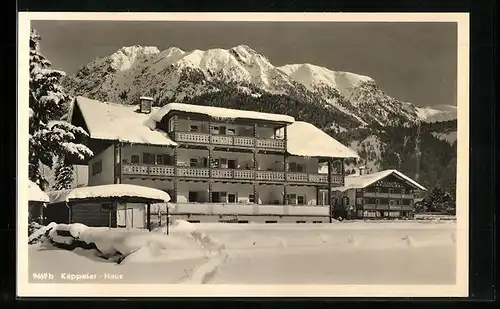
point(109, 193)
point(35, 194)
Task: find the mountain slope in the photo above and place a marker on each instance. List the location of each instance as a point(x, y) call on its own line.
point(177, 75)
point(348, 106)
point(437, 113)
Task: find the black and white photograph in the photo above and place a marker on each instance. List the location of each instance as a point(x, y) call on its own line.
point(243, 154)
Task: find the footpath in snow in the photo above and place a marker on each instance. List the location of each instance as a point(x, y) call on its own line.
point(341, 253)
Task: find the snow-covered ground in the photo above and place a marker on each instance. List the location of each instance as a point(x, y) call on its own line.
point(396, 252)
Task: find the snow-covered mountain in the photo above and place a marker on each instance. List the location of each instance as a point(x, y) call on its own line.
point(177, 75)
point(350, 107)
point(437, 113)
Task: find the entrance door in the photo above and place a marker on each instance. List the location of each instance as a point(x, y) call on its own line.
point(231, 198)
point(323, 197)
point(129, 217)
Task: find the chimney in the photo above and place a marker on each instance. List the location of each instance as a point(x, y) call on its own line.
point(146, 104)
point(361, 170)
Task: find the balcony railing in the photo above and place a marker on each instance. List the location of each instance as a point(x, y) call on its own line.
point(152, 170)
point(194, 172)
point(228, 140)
point(270, 176)
point(386, 207)
point(220, 173)
point(387, 195)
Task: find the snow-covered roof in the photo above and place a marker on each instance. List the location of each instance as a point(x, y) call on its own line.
point(146, 98)
point(219, 112)
point(108, 191)
point(111, 121)
point(304, 139)
point(35, 194)
point(363, 181)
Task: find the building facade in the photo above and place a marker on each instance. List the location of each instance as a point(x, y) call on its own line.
point(216, 163)
point(386, 194)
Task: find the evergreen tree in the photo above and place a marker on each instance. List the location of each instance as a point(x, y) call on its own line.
point(438, 200)
point(49, 137)
point(64, 175)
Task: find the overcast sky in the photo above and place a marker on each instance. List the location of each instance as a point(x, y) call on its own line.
point(415, 62)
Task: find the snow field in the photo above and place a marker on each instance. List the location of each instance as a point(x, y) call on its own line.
point(344, 253)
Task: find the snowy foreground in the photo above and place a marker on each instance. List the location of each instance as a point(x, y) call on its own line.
point(341, 253)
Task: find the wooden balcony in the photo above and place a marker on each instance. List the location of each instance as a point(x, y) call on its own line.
point(193, 172)
point(229, 140)
point(230, 174)
point(387, 207)
point(388, 195)
point(147, 170)
point(270, 176)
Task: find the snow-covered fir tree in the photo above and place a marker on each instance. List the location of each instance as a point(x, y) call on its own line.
point(50, 137)
point(63, 175)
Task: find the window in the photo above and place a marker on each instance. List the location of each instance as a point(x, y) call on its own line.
point(193, 196)
point(391, 202)
point(148, 158)
point(377, 202)
point(231, 198)
point(159, 160)
point(271, 221)
point(242, 221)
point(106, 207)
point(301, 221)
point(231, 131)
point(231, 164)
point(193, 128)
point(391, 191)
point(402, 190)
point(301, 200)
point(193, 162)
point(135, 159)
point(292, 199)
point(193, 221)
point(251, 198)
point(97, 167)
point(279, 133)
point(296, 167)
point(317, 222)
point(359, 201)
point(223, 162)
point(399, 202)
point(323, 197)
point(222, 130)
point(219, 197)
point(346, 200)
point(377, 190)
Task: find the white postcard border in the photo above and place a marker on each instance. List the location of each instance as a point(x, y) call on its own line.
point(460, 289)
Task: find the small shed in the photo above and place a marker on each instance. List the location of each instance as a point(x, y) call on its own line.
point(105, 205)
point(37, 200)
